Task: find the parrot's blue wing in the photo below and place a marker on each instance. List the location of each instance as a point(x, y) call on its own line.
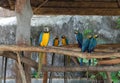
point(85, 45)
point(53, 41)
point(67, 41)
point(40, 37)
point(92, 45)
point(80, 39)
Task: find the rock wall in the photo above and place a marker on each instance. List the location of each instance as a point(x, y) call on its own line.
point(104, 26)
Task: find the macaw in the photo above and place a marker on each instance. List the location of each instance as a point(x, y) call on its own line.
point(55, 43)
point(64, 40)
point(92, 45)
point(43, 42)
point(79, 37)
point(66, 58)
point(85, 46)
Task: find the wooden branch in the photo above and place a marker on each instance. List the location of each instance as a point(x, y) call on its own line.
point(109, 77)
point(81, 4)
point(109, 62)
point(77, 69)
point(58, 51)
point(40, 5)
point(44, 62)
point(77, 11)
point(25, 60)
point(11, 4)
point(118, 3)
point(21, 69)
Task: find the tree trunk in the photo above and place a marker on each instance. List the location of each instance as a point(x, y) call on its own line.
point(24, 15)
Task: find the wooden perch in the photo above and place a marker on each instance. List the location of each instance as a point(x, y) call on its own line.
point(20, 67)
point(77, 69)
point(25, 60)
point(109, 62)
point(58, 51)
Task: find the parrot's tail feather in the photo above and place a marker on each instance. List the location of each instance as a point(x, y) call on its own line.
point(39, 64)
point(81, 62)
point(89, 62)
point(68, 60)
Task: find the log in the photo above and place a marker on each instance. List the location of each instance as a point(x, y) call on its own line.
point(20, 67)
point(59, 51)
point(83, 68)
point(44, 62)
point(81, 4)
point(25, 60)
point(109, 62)
point(77, 11)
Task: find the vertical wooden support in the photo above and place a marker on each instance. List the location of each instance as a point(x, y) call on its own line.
point(24, 15)
point(5, 69)
point(109, 77)
point(44, 62)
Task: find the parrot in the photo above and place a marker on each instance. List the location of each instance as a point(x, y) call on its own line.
point(84, 48)
point(66, 58)
point(55, 43)
point(92, 45)
point(79, 37)
point(64, 40)
point(43, 42)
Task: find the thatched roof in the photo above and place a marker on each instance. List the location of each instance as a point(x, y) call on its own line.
point(70, 7)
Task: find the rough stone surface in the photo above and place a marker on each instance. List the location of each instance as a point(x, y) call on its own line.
point(104, 26)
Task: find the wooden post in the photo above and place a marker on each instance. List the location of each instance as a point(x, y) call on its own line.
point(44, 62)
point(24, 15)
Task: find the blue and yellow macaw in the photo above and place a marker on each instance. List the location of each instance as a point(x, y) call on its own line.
point(64, 40)
point(64, 43)
point(79, 37)
point(55, 43)
point(43, 42)
point(85, 46)
point(92, 45)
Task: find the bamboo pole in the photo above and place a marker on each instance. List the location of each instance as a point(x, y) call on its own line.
point(78, 69)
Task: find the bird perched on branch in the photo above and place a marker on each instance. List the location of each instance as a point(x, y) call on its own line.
point(92, 45)
point(79, 37)
point(64, 40)
point(55, 43)
point(85, 46)
point(43, 42)
point(64, 43)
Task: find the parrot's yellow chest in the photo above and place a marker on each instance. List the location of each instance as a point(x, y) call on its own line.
point(63, 41)
point(56, 42)
point(45, 39)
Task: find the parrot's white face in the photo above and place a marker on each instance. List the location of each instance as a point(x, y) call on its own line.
point(95, 36)
point(76, 31)
point(46, 29)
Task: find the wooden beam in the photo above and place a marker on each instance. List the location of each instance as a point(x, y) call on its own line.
point(78, 11)
point(25, 60)
point(83, 68)
point(109, 62)
point(59, 51)
point(80, 4)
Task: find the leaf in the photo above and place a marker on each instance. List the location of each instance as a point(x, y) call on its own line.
point(87, 32)
point(92, 76)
